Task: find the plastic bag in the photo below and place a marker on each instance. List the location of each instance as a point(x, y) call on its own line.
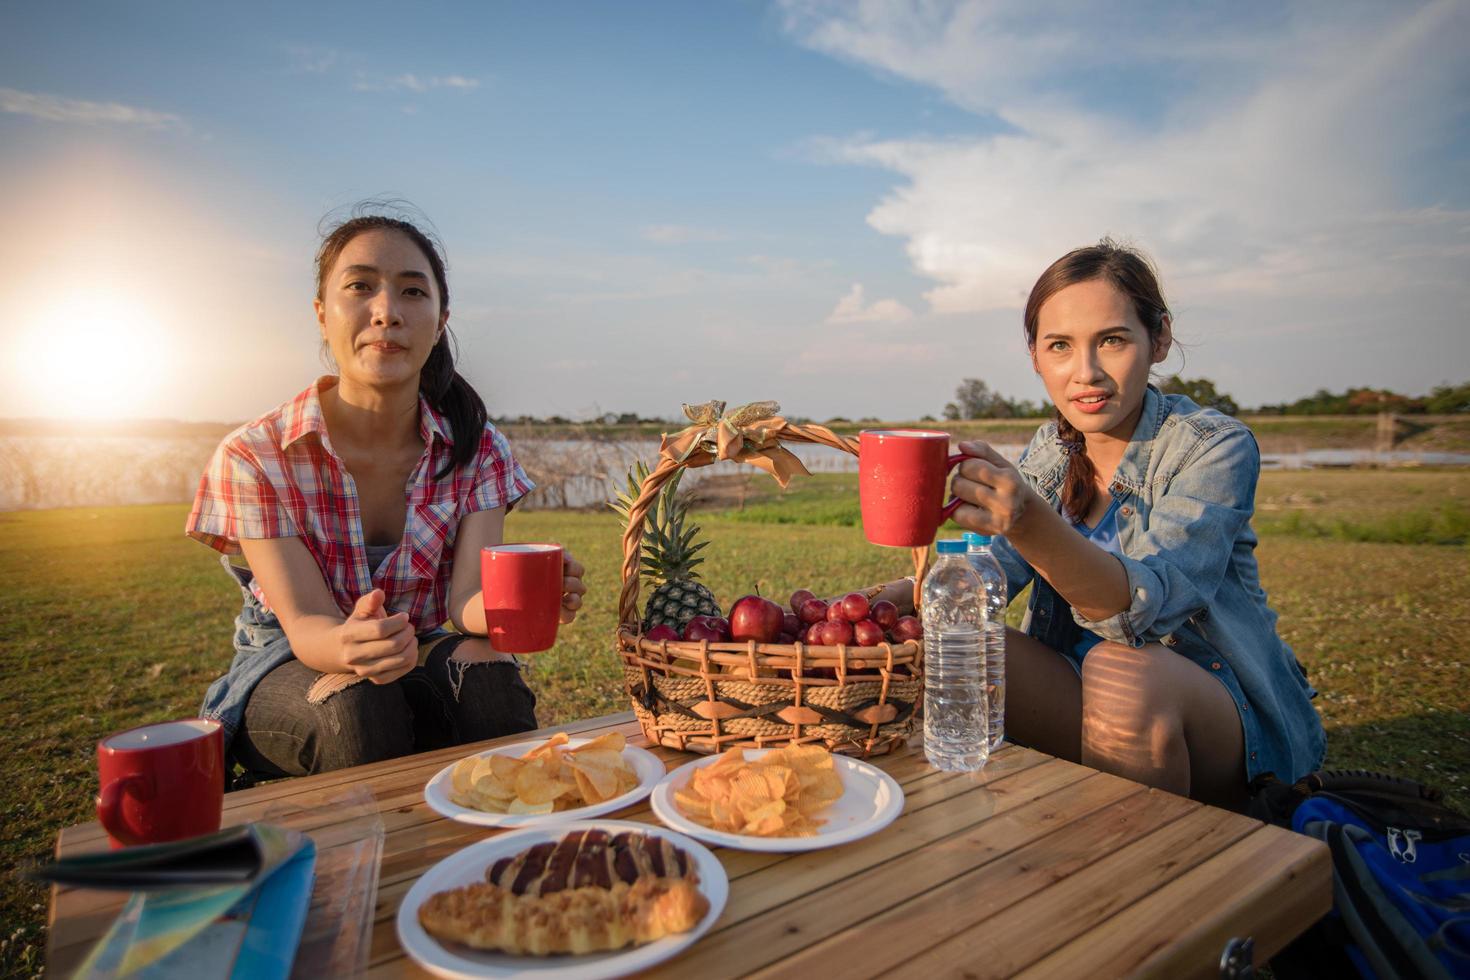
point(348, 833)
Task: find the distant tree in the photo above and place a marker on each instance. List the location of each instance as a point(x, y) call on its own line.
point(951, 412)
point(1445, 400)
point(1202, 391)
point(974, 400)
point(926, 418)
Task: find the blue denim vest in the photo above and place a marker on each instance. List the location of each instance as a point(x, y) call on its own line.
point(1186, 488)
point(260, 647)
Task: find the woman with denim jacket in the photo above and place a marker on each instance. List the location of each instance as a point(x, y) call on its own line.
point(361, 506)
point(1149, 649)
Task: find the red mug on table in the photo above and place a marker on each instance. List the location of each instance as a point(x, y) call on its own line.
point(161, 782)
point(901, 477)
point(521, 585)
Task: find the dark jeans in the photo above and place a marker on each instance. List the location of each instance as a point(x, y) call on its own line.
point(438, 704)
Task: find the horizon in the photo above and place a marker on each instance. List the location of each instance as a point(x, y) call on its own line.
point(837, 207)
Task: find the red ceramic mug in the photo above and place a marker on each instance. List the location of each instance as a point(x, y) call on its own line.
point(161, 782)
point(521, 585)
point(901, 477)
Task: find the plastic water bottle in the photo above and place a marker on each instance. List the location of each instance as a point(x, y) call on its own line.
point(955, 737)
point(996, 601)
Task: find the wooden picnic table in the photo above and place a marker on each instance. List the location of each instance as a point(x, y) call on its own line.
point(1032, 867)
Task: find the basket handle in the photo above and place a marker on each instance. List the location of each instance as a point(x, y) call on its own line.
point(667, 466)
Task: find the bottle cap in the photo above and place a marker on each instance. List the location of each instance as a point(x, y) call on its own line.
point(972, 539)
point(950, 546)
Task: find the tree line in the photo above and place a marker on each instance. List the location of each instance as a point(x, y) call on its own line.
point(974, 399)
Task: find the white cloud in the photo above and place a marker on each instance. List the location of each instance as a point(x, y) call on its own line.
point(852, 309)
point(55, 108)
point(410, 82)
point(1281, 174)
point(680, 234)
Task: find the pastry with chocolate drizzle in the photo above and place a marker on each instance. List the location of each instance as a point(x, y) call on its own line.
point(589, 891)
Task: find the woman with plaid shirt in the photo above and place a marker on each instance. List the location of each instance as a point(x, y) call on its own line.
point(350, 504)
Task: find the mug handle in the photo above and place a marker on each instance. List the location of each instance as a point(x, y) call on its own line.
point(109, 806)
point(954, 502)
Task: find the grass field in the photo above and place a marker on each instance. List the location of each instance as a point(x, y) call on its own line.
point(111, 618)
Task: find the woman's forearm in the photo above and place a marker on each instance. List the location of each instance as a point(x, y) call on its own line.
point(1092, 580)
point(316, 641)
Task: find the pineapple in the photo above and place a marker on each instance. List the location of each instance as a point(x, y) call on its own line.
point(668, 558)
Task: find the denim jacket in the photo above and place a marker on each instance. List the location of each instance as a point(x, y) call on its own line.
point(1186, 490)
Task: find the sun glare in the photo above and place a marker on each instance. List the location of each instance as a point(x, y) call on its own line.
point(99, 356)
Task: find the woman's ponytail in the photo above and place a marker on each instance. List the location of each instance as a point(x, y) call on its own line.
point(1079, 488)
point(449, 394)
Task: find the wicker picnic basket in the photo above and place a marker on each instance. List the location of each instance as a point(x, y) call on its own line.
point(698, 696)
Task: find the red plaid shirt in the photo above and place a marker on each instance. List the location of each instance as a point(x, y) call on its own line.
point(278, 477)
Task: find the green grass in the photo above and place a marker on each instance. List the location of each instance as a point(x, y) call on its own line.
point(109, 618)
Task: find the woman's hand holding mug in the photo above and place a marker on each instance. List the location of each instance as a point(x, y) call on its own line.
point(996, 497)
point(572, 588)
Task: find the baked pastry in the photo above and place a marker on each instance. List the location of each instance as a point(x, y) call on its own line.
point(590, 891)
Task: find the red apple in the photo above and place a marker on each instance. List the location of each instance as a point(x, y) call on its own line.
point(800, 597)
point(884, 613)
point(753, 617)
point(703, 628)
point(663, 631)
point(867, 633)
point(855, 607)
point(720, 623)
point(790, 624)
point(835, 612)
point(814, 610)
point(838, 632)
point(908, 628)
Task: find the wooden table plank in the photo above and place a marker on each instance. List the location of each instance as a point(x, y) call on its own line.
point(973, 883)
point(1271, 886)
point(991, 941)
point(1034, 865)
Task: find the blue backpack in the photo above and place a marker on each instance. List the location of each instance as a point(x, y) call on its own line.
point(1400, 876)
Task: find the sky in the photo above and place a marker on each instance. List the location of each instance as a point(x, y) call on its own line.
point(837, 205)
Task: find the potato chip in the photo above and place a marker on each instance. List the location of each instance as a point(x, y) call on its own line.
point(774, 796)
point(607, 742)
point(548, 778)
point(603, 780)
point(461, 778)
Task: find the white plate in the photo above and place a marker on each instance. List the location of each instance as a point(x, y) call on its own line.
point(648, 767)
point(870, 801)
point(469, 864)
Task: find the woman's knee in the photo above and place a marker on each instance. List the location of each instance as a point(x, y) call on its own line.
point(484, 691)
point(1126, 699)
point(362, 723)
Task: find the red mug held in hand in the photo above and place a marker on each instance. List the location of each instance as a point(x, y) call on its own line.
point(521, 585)
point(161, 782)
point(901, 477)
